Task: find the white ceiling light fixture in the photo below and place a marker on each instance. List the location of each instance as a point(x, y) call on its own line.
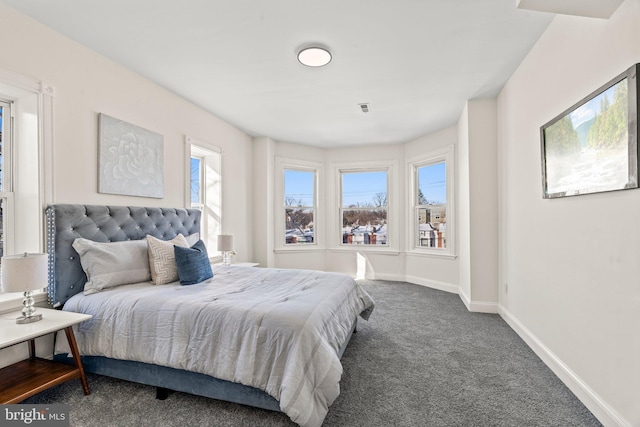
point(314, 56)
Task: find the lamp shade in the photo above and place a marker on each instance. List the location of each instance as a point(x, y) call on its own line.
point(26, 272)
point(225, 242)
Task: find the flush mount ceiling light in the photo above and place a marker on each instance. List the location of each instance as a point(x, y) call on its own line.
point(314, 56)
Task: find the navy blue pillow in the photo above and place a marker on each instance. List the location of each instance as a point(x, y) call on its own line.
point(193, 263)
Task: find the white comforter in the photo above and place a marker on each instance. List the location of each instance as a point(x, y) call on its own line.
point(276, 330)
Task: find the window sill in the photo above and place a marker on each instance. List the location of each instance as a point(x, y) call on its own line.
point(12, 301)
point(366, 248)
point(298, 249)
point(431, 254)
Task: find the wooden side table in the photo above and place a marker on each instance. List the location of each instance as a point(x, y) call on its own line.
point(33, 375)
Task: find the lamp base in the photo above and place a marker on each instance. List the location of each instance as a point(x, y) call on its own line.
point(226, 257)
point(23, 319)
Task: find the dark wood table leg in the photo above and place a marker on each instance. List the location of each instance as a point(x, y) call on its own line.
point(32, 348)
point(76, 357)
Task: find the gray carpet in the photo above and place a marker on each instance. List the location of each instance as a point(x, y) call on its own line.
point(421, 360)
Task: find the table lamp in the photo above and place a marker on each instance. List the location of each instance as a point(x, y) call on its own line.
point(225, 245)
point(25, 273)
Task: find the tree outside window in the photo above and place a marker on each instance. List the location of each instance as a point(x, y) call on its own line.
point(299, 206)
point(364, 207)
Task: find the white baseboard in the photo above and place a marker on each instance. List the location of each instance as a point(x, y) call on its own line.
point(390, 277)
point(443, 286)
point(478, 306)
point(605, 414)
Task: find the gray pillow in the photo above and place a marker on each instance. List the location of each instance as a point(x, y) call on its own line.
point(112, 264)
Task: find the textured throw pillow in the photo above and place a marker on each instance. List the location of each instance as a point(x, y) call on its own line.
point(193, 263)
point(162, 260)
point(112, 264)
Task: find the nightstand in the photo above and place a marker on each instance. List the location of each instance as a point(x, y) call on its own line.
point(33, 375)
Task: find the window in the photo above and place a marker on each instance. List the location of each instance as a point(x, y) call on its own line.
point(197, 172)
point(431, 210)
point(299, 206)
point(26, 158)
point(432, 199)
point(297, 215)
point(205, 190)
point(364, 207)
point(6, 195)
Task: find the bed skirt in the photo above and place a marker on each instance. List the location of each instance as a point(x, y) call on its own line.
point(184, 381)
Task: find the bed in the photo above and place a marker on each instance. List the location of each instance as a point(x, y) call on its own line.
point(269, 338)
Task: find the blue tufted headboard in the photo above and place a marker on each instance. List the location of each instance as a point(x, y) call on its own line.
point(100, 223)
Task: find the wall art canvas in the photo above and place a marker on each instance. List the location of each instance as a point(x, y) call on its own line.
point(592, 146)
point(130, 159)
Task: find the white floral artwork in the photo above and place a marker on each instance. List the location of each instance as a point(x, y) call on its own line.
point(131, 160)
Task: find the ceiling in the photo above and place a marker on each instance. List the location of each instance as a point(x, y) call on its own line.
point(415, 62)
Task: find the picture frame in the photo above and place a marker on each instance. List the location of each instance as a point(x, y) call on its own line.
point(592, 146)
point(131, 159)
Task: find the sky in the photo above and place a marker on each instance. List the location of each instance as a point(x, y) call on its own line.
point(195, 179)
point(358, 188)
point(591, 108)
point(433, 183)
point(298, 185)
point(361, 187)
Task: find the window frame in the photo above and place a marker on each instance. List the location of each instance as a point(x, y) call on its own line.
point(209, 229)
point(445, 156)
point(32, 123)
point(393, 193)
point(6, 192)
point(280, 245)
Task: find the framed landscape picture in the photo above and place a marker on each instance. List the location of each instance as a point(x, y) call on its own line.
point(593, 145)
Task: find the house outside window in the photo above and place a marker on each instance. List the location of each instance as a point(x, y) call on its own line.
point(432, 205)
point(364, 207)
point(431, 220)
point(299, 206)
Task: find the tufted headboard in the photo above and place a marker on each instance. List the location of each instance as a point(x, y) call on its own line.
point(100, 223)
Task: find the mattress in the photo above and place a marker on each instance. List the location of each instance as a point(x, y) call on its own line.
point(276, 330)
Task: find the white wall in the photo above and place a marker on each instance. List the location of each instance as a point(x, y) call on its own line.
point(87, 84)
point(433, 271)
point(571, 264)
point(478, 205)
point(464, 204)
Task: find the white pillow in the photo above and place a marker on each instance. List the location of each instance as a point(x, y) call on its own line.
point(192, 239)
point(162, 260)
point(112, 264)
